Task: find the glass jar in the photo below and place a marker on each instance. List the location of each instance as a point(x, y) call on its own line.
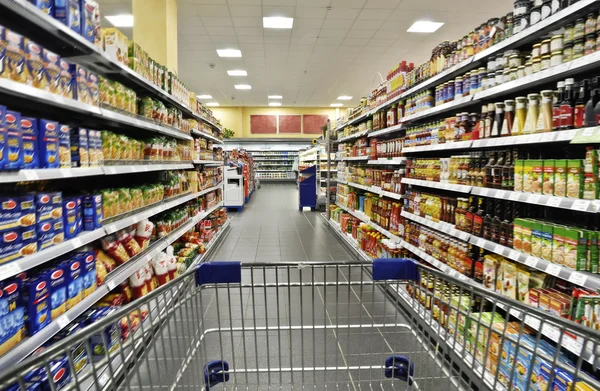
point(537, 50)
point(485, 83)
point(578, 48)
point(556, 58)
point(533, 107)
point(568, 34)
point(556, 43)
point(512, 74)
point(458, 87)
point(589, 46)
point(546, 9)
point(545, 64)
point(535, 15)
point(579, 29)
point(515, 60)
point(499, 77)
point(520, 115)
point(474, 80)
point(451, 91)
point(545, 47)
point(521, 7)
point(544, 121)
point(536, 65)
point(491, 65)
point(467, 84)
point(491, 79)
point(590, 24)
point(568, 52)
point(521, 71)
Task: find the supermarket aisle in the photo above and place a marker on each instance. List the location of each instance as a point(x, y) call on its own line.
point(271, 229)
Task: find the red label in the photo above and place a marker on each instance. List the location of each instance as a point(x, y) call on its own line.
point(56, 275)
point(566, 116)
point(89, 259)
point(10, 289)
point(46, 227)
point(40, 286)
point(579, 116)
point(45, 199)
point(75, 266)
point(59, 374)
point(9, 205)
point(70, 205)
point(25, 123)
point(50, 126)
point(10, 236)
point(555, 117)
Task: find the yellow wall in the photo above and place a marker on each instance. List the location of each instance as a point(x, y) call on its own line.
point(238, 119)
point(155, 30)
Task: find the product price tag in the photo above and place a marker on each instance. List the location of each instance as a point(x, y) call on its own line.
point(514, 196)
point(531, 261)
point(580, 205)
point(62, 321)
point(577, 278)
point(111, 285)
point(547, 137)
point(9, 270)
point(76, 243)
point(514, 254)
point(553, 201)
point(533, 198)
point(483, 191)
point(30, 175)
point(500, 194)
point(551, 332)
point(103, 379)
point(499, 249)
point(553, 269)
point(481, 243)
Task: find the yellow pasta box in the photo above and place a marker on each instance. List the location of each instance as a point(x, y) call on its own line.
point(34, 61)
point(53, 72)
point(15, 56)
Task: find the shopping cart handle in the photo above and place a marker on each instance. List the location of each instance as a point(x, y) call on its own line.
point(216, 372)
point(219, 273)
point(395, 269)
point(399, 367)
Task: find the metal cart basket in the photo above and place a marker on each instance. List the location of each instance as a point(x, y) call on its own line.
point(389, 325)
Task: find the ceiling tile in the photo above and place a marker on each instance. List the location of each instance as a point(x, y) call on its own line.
point(387, 42)
point(385, 34)
point(279, 11)
point(277, 40)
point(361, 33)
point(220, 30)
point(310, 12)
point(224, 41)
point(367, 24)
point(290, 3)
point(348, 3)
point(194, 38)
point(250, 47)
point(244, 2)
point(246, 11)
point(374, 14)
point(308, 23)
point(217, 21)
point(373, 50)
point(314, 3)
point(333, 33)
point(250, 38)
point(356, 41)
point(338, 23)
point(277, 32)
point(343, 13)
point(308, 40)
point(384, 4)
point(213, 10)
point(329, 41)
point(298, 48)
point(241, 31)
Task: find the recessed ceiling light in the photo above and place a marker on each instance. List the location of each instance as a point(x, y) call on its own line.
point(336, 105)
point(212, 104)
point(275, 97)
point(243, 87)
point(204, 97)
point(229, 53)
point(344, 97)
point(424, 26)
point(120, 20)
point(278, 22)
point(274, 103)
point(237, 72)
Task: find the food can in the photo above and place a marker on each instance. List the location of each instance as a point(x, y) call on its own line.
point(545, 63)
point(521, 71)
point(528, 68)
point(536, 65)
point(537, 50)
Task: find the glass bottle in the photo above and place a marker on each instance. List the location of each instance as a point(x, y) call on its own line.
point(469, 215)
point(506, 227)
point(509, 117)
point(544, 122)
point(558, 97)
point(497, 171)
point(520, 115)
point(507, 171)
point(478, 275)
point(590, 118)
point(582, 98)
point(489, 170)
point(567, 105)
point(488, 219)
point(480, 180)
point(478, 218)
point(481, 127)
point(489, 120)
point(533, 102)
point(498, 120)
point(497, 221)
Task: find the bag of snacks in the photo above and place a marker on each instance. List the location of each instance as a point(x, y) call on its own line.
point(144, 233)
point(131, 245)
point(115, 249)
point(137, 282)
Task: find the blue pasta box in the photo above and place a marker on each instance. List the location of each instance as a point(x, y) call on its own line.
point(68, 12)
point(90, 21)
point(59, 231)
point(79, 148)
point(66, 79)
point(45, 5)
point(36, 298)
point(64, 146)
point(52, 72)
point(92, 212)
point(3, 72)
point(79, 214)
point(48, 206)
point(79, 83)
point(78, 351)
point(13, 315)
point(48, 143)
point(89, 272)
point(29, 127)
point(15, 56)
point(14, 138)
point(3, 135)
point(45, 234)
point(34, 65)
point(74, 269)
point(60, 372)
point(11, 244)
point(70, 217)
point(93, 88)
point(111, 334)
point(58, 290)
point(17, 211)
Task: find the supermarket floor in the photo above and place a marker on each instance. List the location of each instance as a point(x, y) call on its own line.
point(272, 229)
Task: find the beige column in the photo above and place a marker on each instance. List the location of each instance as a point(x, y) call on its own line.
point(155, 30)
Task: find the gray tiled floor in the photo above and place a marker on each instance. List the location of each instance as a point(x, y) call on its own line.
point(271, 229)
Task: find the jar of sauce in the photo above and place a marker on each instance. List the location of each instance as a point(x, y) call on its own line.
point(537, 50)
point(520, 115)
point(535, 16)
point(515, 61)
point(568, 52)
point(590, 24)
point(589, 46)
point(521, 7)
point(499, 77)
point(512, 74)
point(545, 64)
point(509, 118)
point(557, 58)
point(467, 84)
point(556, 43)
point(568, 34)
point(545, 47)
point(533, 107)
point(544, 121)
point(536, 64)
point(528, 68)
point(392, 115)
point(498, 119)
point(458, 87)
point(578, 48)
point(474, 81)
point(546, 9)
point(521, 71)
point(579, 29)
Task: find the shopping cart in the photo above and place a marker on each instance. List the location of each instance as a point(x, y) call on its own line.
point(389, 325)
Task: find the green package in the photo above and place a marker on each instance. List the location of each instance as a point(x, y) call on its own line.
point(536, 239)
point(526, 236)
point(548, 178)
point(575, 249)
point(518, 174)
point(560, 178)
point(547, 232)
point(575, 178)
point(518, 234)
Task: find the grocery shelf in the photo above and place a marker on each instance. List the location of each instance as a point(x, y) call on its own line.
point(437, 225)
point(215, 162)
point(396, 161)
point(139, 122)
point(437, 185)
point(353, 136)
point(348, 239)
point(196, 132)
point(385, 131)
point(130, 169)
point(354, 120)
point(354, 158)
point(257, 170)
point(433, 261)
point(452, 105)
point(273, 160)
point(277, 179)
point(27, 19)
point(116, 277)
point(438, 147)
point(17, 266)
point(373, 189)
point(365, 219)
point(591, 206)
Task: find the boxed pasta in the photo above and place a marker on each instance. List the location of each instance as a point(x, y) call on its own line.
point(3, 72)
point(90, 22)
point(45, 5)
point(36, 296)
point(34, 64)
point(79, 83)
point(66, 79)
point(29, 127)
point(48, 144)
point(15, 56)
point(58, 290)
point(52, 71)
point(14, 140)
point(64, 146)
point(79, 148)
point(73, 269)
point(68, 12)
point(116, 45)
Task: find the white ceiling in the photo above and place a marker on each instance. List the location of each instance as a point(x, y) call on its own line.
point(328, 53)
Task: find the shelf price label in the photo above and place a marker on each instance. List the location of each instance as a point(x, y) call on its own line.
point(533, 198)
point(578, 278)
point(483, 191)
point(580, 205)
point(532, 261)
point(500, 194)
point(548, 137)
point(514, 254)
point(9, 270)
point(553, 269)
point(554, 201)
point(499, 249)
point(62, 321)
point(514, 196)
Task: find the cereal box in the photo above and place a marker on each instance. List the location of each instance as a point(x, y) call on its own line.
point(58, 290)
point(52, 72)
point(3, 72)
point(44, 5)
point(29, 126)
point(66, 79)
point(90, 22)
point(92, 212)
point(79, 83)
point(79, 148)
point(560, 178)
point(34, 65)
point(3, 138)
point(116, 45)
point(575, 178)
point(36, 296)
point(14, 140)
point(73, 269)
point(93, 89)
point(548, 177)
point(68, 12)
point(48, 143)
point(15, 56)
point(64, 146)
